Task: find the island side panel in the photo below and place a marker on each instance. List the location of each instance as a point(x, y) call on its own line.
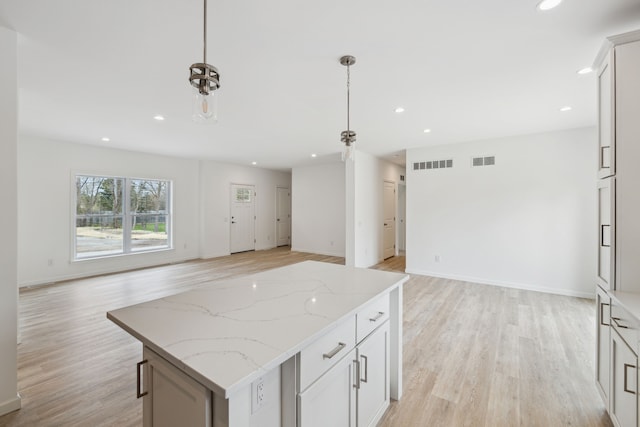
point(395, 302)
point(244, 409)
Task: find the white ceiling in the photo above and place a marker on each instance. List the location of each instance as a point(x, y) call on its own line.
point(467, 69)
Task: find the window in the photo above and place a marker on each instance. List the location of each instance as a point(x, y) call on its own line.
point(107, 225)
point(243, 195)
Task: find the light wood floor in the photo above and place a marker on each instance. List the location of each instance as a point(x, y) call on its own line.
point(473, 355)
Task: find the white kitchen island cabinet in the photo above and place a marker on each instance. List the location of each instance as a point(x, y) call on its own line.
point(269, 349)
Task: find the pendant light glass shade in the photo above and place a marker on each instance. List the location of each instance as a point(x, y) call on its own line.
point(205, 107)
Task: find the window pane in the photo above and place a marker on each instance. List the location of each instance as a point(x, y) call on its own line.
point(149, 216)
point(149, 231)
point(98, 216)
point(243, 195)
point(149, 196)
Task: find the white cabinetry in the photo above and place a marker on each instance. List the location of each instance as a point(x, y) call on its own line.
point(624, 406)
point(618, 269)
point(171, 398)
point(349, 385)
point(603, 337)
point(331, 400)
point(373, 387)
point(606, 115)
point(623, 401)
point(606, 234)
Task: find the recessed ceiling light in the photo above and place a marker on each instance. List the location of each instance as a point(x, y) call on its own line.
point(399, 110)
point(565, 108)
point(548, 4)
point(314, 155)
point(585, 70)
point(427, 131)
point(105, 139)
point(254, 163)
point(159, 118)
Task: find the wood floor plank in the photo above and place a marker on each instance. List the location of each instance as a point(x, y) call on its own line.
point(474, 355)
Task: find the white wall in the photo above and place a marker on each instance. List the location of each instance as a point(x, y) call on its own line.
point(216, 179)
point(370, 174)
point(318, 209)
point(201, 194)
point(527, 222)
point(46, 172)
point(9, 398)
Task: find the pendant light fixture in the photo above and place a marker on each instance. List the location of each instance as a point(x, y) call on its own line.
point(348, 136)
point(205, 79)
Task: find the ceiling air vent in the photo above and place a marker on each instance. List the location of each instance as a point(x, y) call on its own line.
point(483, 161)
point(433, 164)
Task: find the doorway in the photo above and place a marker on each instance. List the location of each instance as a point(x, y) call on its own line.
point(283, 216)
point(242, 237)
point(389, 213)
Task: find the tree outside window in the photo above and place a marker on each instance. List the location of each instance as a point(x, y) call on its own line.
point(101, 213)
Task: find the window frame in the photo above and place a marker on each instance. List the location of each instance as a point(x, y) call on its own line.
point(127, 216)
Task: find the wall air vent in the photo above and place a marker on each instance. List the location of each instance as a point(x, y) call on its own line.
point(433, 164)
point(483, 161)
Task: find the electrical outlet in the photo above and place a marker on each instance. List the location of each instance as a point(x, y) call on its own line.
point(437, 258)
point(258, 395)
point(50, 262)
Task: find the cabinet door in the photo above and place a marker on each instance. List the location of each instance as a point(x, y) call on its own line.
point(627, 249)
point(603, 336)
point(173, 398)
point(331, 400)
point(606, 233)
point(606, 118)
point(624, 404)
point(373, 390)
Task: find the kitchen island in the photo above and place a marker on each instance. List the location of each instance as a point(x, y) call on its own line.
point(307, 344)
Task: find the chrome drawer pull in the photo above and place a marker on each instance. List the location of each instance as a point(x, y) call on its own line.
point(139, 394)
point(625, 378)
point(615, 320)
point(335, 351)
point(376, 317)
point(366, 368)
point(602, 304)
point(602, 226)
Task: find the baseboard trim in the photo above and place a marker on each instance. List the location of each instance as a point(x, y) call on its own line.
point(11, 405)
point(309, 251)
point(523, 286)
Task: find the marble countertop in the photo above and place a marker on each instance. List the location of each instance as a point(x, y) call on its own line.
point(229, 333)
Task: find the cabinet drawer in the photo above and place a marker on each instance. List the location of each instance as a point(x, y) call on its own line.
point(326, 351)
point(624, 324)
point(372, 316)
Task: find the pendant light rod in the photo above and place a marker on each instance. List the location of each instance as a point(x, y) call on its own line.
point(348, 96)
point(348, 136)
point(205, 33)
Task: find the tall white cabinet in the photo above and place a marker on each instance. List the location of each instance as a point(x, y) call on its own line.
point(618, 269)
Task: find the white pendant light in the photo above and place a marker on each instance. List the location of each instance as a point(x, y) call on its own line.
point(205, 80)
point(348, 136)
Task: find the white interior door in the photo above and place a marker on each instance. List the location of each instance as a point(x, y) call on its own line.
point(389, 232)
point(242, 218)
point(402, 217)
point(283, 216)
